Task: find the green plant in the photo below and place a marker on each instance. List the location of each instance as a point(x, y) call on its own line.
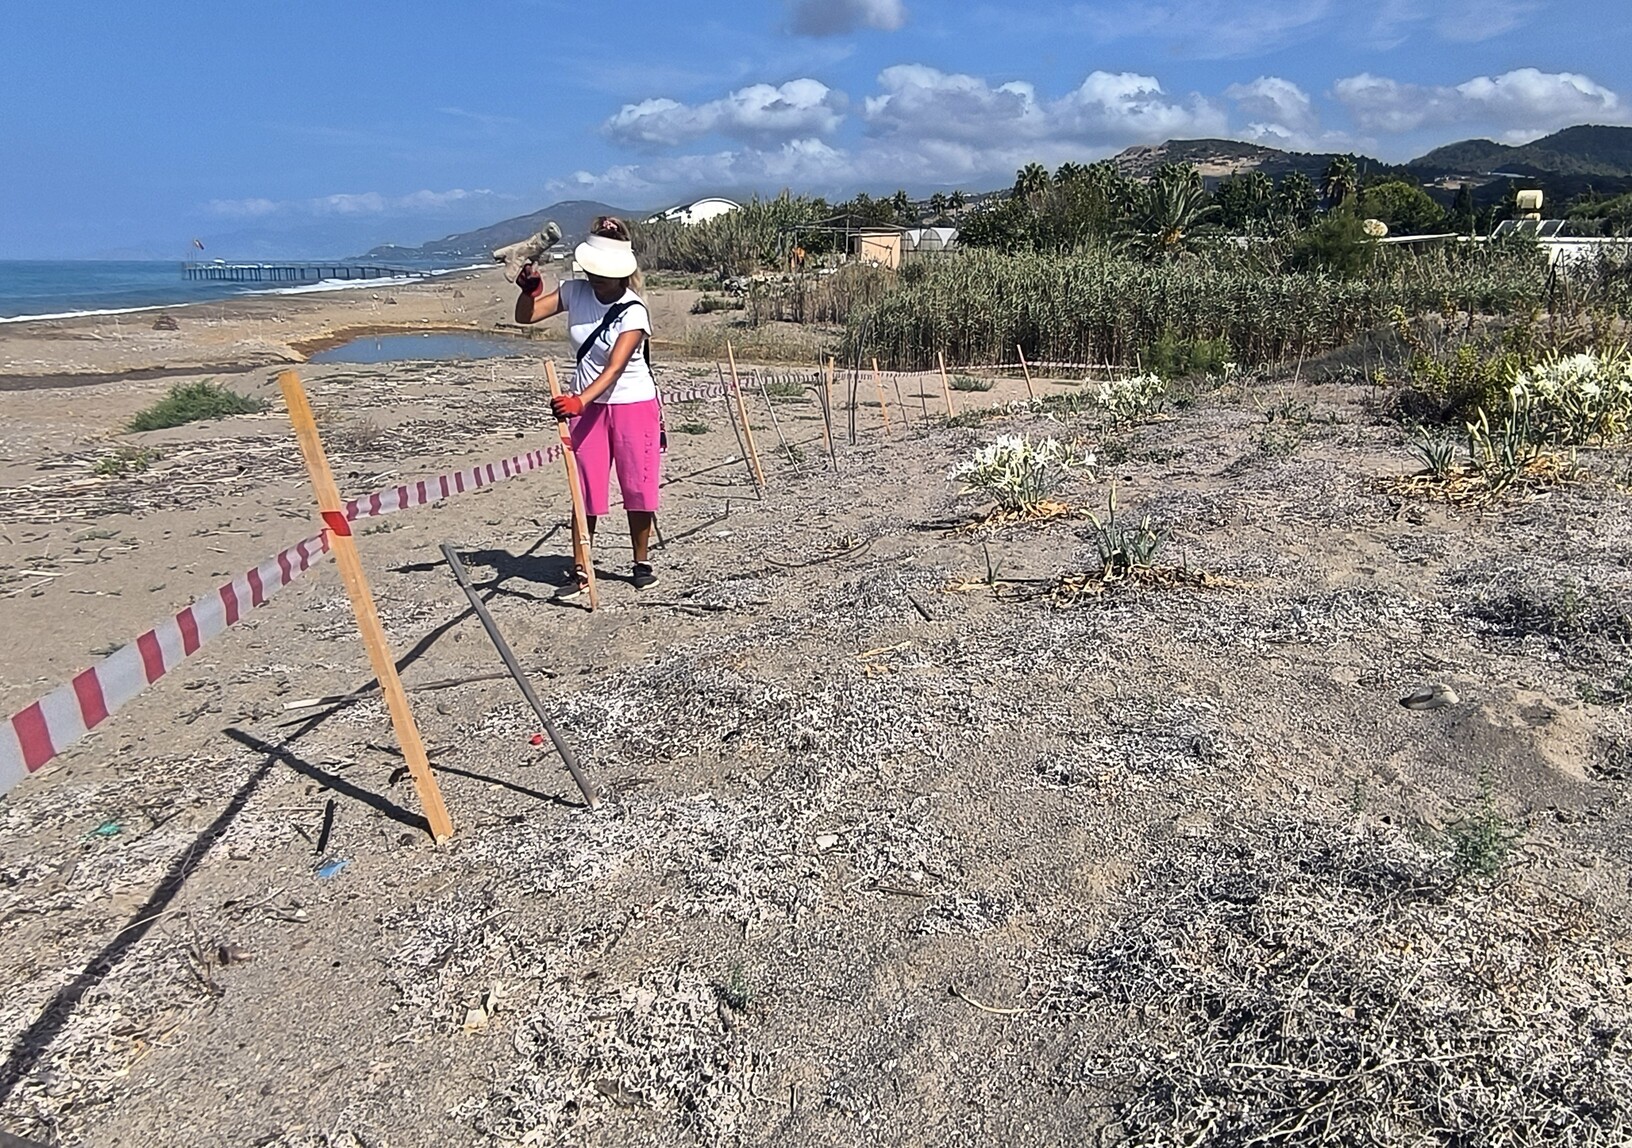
point(1132, 397)
point(1123, 547)
point(194, 402)
point(1500, 456)
point(734, 991)
point(1019, 474)
point(1436, 449)
point(970, 383)
point(1456, 385)
point(125, 460)
point(1286, 421)
point(1337, 245)
point(1482, 839)
point(691, 428)
point(785, 388)
point(1173, 356)
point(1577, 399)
point(709, 304)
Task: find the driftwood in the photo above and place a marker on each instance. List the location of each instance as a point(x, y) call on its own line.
point(518, 255)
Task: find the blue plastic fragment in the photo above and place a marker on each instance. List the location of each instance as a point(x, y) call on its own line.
point(330, 868)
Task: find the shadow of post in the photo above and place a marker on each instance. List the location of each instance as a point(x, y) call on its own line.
point(32, 1045)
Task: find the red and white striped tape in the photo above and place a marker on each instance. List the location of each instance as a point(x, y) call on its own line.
point(428, 490)
point(41, 731)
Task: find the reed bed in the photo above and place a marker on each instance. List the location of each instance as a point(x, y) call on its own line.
point(1109, 309)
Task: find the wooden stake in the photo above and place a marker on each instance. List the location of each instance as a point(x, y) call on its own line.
point(583, 550)
point(742, 451)
point(742, 409)
point(384, 665)
point(946, 387)
point(776, 423)
point(1026, 369)
point(906, 411)
point(883, 406)
point(827, 412)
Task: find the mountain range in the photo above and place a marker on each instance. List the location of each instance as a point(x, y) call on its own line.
point(1563, 165)
point(574, 216)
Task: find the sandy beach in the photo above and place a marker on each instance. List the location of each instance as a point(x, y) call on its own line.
point(910, 838)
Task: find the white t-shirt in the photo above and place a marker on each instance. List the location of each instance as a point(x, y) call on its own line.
point(584, 315)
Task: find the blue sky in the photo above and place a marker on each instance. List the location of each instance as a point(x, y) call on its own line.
point(307, 127)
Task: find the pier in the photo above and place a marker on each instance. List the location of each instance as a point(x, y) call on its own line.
point(294, 272)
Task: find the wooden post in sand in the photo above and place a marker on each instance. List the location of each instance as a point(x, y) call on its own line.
point(1026, 369)
point(583, 551)
point(730, 417)
point(742, 409)
point(333, 512)
point(884, 407)
point(946, 387)
point(827, 412)
point(776, 423)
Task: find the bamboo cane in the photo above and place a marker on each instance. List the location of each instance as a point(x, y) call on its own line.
point(776, 422)
point(730, 417)
point(827, 413)
point(884, 407)
point(1026, 369)
point(742, 409)
point(583, 552)
point(946, 387)
point(362, 605)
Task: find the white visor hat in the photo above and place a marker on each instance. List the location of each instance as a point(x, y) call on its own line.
point(607, 257)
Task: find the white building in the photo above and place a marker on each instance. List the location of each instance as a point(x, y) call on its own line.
point(697, 212)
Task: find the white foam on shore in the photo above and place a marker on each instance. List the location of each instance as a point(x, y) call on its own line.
point(303, 289)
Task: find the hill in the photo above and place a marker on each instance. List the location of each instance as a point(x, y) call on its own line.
point(1219, 159)
point(574, 216)
point(1591, 150)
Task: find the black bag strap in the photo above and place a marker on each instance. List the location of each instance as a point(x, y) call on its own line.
point(613, 314)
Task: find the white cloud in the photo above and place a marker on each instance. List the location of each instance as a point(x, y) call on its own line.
point(1109, 109)
point(350, 204)
point(839, 17)
point(930, 104)
point(805, 164)
point(1520, 104)
point(760, 113)
point(924, 126)
point(1278, 103)
point(1119, 108)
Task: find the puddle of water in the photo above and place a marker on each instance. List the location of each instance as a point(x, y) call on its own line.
point(432, 345)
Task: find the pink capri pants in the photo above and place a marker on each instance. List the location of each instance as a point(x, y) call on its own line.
point(624, 435)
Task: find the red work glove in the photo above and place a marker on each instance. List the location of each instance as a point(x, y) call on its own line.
point(567, 406)
point(530, 281)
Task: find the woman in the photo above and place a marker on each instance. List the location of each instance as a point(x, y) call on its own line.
point(613, 406)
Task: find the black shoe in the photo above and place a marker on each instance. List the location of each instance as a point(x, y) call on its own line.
point(572, 589)
point(644, 576)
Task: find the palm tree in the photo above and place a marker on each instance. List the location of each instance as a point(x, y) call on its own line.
point(1295, 198)
point(956, 200)
point(1341, 181)
point(1172, 209)
point(1069, 172)
point(1030, 180)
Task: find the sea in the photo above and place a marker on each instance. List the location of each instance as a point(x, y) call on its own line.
point(60, 289)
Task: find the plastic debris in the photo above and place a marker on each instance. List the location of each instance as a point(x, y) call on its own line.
point(330, 868)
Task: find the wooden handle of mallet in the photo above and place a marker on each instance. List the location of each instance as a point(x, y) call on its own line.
point(581, 552)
